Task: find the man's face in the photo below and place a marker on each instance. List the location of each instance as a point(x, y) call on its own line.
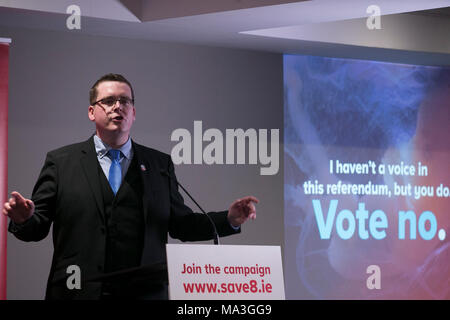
point(115, 119)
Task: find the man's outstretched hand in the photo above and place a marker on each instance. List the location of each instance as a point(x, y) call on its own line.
point(241, 210)
point(18, 208)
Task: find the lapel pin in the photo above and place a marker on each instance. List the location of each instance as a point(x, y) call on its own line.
point(143, 168)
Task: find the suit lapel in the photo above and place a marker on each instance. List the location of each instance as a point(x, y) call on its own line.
point(147, 173)
point(89, 162)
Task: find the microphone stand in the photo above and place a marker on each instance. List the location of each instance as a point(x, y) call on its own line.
point(216, 234)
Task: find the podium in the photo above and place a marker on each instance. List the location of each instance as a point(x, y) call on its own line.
point(225, 272)
point(204, 272)
point(155, 273)
point(145, 282)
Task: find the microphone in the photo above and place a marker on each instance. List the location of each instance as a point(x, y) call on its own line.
point(216, 234)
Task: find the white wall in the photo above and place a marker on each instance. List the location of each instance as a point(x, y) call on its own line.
point(50, 76)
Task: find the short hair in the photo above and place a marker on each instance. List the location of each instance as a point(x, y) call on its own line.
point(108, 77)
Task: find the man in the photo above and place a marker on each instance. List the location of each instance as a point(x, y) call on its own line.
point(112, 203)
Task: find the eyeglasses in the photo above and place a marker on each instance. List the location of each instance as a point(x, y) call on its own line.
point(111, 101)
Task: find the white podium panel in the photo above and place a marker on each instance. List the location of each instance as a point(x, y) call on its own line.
point(224, 272)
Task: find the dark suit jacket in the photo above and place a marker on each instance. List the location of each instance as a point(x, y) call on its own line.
point(68, 195)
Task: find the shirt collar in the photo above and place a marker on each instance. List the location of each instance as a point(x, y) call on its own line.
point(101, 148)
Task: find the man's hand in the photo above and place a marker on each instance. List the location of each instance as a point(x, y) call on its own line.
point(18, 208)
point(241, 210)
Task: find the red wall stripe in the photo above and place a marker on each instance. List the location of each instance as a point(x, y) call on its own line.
point(4, 56)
